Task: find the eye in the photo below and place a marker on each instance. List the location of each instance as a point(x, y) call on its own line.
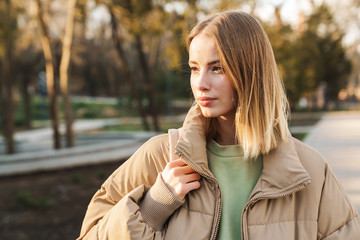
point(194, 69)
point(217, 69)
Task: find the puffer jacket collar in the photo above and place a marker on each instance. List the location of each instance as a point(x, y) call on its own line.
point(283, 172)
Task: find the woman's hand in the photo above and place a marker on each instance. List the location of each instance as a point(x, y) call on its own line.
point(180, 178)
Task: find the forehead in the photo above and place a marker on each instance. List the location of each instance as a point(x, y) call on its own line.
point(204, 48)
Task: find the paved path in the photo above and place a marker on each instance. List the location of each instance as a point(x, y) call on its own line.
point(35, 151)
point(337, 137)
point(100, 151)
point(41, 139)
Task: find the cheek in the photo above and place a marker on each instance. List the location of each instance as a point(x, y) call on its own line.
point(232, 95)
point(192, 85)
point(228, 90)
point(226, 86)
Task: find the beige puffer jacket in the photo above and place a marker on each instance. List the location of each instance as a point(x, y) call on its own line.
point(297, 197)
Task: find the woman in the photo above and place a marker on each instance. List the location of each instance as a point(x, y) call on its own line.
point(238, 172)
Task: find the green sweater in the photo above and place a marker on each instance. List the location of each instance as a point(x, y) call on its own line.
point(237, 177)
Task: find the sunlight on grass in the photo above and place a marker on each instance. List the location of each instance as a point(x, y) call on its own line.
point(138, 127)
point(300, 135)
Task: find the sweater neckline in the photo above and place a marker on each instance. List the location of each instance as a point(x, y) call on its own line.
point(224, 151)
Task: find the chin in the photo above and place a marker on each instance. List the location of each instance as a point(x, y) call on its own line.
point(214, 113)
point(208, 113)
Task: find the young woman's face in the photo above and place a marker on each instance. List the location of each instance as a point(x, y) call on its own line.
point(210, 86)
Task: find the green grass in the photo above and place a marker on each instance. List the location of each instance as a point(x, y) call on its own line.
point(92, 109)
point(138, 127)
point(300, 135)
point(123, 127)
point(77, 179)
point(81, 109)
point(25, 200)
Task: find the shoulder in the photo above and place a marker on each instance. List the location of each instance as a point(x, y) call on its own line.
point(316, 166)
point(152, 152)
point(305, 150)
point(311, 159)
point(156, 145)
point(322, 175)
point(325, 192)
point(343, 218)
point(141, 168)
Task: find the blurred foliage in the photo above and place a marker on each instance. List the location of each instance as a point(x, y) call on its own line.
point(311, 56)
point(301, 136)
point(305, 58)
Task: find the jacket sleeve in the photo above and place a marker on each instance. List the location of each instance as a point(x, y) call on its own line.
point(134, 202)
point(338, 218)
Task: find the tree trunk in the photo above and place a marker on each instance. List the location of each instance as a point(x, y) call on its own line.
point(149, 83)
point(27, 99)
point(49, 78)
point(7, 85)
point(64, 66)
point(152, 108)
point(126, 70)
point(7, 101)
point(28, 70)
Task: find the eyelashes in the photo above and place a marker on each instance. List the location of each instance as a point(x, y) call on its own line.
point(194, 69)
point(215, 69)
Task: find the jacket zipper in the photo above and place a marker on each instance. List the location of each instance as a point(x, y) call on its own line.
point(253, 201)
point(218, 194)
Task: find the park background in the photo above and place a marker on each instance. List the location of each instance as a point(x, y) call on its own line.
point(123, 64)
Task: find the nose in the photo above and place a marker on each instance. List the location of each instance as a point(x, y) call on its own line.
point(202, 81)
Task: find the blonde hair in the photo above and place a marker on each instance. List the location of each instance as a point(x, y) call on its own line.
point(248, 61)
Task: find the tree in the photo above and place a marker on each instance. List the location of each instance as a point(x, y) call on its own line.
point(27, 65)
point(329, 62)
point(118, 43)
point(310, 57)
point(64, 65)
point(154, 35)
point(232, 4)
point(50, 82)
point(8, 32)
point(284, 47)
point(134, 13)
point(335, 64)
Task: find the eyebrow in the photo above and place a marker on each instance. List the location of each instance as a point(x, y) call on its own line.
point(210, 63)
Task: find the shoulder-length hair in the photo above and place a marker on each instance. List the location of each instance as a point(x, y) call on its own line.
point(248, 61)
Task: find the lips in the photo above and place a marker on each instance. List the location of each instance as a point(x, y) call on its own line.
point(205, 101)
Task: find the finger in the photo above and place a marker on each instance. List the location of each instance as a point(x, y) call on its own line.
point(191, 178)
point(182, 170)
point(191, 186)
point(176, 163)
point(182, 189)
point(187, 169)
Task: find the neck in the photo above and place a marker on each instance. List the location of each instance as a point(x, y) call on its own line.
point(225, 131)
